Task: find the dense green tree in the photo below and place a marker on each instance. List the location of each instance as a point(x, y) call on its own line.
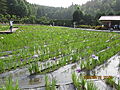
point(12, 7)
point(32, 19)
point(117, 13)
point(43, 20)
point(40, 12)
point(78, 16)
point(117, 6)
point(8, 17)
point(22, 8)
point(3, 7)
point(29, 9)
point(17, 7)
point(99, 6)
point(88, 19)
point(1, 18)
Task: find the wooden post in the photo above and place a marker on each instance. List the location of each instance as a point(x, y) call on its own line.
point(110, 24)
point(53, 23)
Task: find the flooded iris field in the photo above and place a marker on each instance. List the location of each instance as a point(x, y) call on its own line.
point(59, 58)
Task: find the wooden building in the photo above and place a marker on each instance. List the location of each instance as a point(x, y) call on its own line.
point(111, 21)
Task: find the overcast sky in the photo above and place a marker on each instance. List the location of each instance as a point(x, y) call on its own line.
point(58, 3)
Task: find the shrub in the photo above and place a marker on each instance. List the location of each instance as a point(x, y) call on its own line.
point(84, 26)
point(100, 28)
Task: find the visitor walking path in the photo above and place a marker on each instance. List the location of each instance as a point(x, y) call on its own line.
point(8, 31)
point(117, 31)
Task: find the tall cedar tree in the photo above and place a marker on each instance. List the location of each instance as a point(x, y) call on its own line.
point(78, 16)
point(3, 7)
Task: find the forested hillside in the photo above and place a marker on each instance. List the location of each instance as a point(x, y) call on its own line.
point(21, 8)
point(106, 7)
point(24, 12)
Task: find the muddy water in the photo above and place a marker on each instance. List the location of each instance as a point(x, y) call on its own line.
point(63, 76)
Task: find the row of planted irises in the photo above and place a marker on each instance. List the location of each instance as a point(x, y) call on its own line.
point(87, 64)
point(81, 83)
point(82, 43)
point(44, 36)
point(47, 57)
point(4, 27)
